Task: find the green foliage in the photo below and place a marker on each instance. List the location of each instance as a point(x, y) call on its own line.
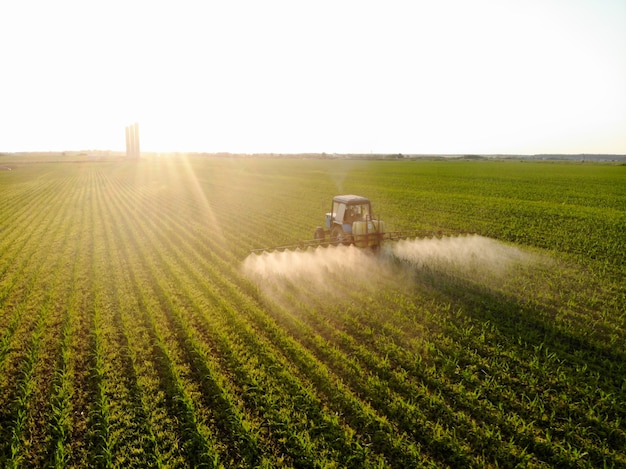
point(132, 335)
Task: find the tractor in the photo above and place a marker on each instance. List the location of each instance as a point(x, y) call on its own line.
point(350, 221)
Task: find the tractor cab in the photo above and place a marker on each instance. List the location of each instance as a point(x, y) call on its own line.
point(346, 210)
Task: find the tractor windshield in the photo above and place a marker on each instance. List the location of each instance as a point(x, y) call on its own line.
point(357, 212)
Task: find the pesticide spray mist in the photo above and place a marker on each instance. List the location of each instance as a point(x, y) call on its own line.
point(473, 257)
point(315, 270)
point(328, 271)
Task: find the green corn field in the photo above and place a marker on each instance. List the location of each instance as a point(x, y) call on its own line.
point(137, 329)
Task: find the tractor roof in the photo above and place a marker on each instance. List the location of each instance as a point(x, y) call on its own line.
point(351, 199)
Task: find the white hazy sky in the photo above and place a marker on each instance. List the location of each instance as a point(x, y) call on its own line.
point(437, 76)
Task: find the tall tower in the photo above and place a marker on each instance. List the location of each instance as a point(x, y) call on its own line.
point(132, 141)
point(128, 144)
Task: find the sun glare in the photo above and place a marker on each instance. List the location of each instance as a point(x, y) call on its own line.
point(412, 77)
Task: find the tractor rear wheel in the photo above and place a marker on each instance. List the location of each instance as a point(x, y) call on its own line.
point(319, 234)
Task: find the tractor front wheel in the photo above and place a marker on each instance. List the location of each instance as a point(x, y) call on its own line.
point(339, 236)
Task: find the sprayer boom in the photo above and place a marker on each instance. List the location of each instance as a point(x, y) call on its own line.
point(350, 221)
point(373, 241)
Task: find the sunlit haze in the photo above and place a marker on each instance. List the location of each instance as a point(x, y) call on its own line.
point(413, 77)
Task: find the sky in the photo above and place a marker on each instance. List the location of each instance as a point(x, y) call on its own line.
point(340, 76)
